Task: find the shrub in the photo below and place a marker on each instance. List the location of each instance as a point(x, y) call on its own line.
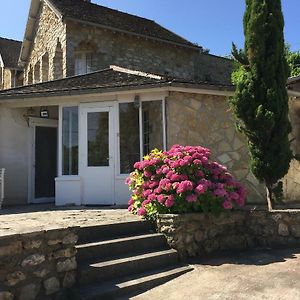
point(182, 180)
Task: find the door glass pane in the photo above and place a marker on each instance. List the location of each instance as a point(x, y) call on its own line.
point(70, 141)
point(45, 161)
point(98, 139)
point(129, 137)
point(152, 126)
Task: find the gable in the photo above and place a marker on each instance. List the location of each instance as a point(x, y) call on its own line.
point(9, 53)
point(43, 22)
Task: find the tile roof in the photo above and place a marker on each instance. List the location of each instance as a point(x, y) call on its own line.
point(111, 18)
point(111, 79)
point(10, 51)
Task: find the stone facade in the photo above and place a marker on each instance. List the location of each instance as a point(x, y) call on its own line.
point(10, 78)
point(292, 179)
point(114, 48)
point(38, 265)
point(54, 51)
point(200, 234)
point(47, 59)
point(205, 120)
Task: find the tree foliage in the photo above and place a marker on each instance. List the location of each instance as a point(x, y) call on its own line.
point(293, 59)
point(260, 103)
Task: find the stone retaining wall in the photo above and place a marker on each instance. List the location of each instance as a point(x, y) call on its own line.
point(199, 234)
point(39, 265)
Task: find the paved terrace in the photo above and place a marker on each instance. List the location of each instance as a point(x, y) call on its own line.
point(39, 217)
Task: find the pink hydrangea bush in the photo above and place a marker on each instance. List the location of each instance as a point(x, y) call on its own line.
point(181, 180)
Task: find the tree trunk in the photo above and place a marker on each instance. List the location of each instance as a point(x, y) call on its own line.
point(269, 196)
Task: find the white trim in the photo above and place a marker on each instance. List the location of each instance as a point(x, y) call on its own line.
point(164, 122)
point(33, 123)
point(135, 72)
point(89, 97)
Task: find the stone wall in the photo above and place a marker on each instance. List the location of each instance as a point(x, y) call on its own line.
point(201, 234)
point(292, 179)
point(115, 48)
point(205, 120)
point(39, 265)
point(45, 45)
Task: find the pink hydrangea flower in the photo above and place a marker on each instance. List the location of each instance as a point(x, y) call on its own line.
point(170, 201)
point(191, 198)
point(141, 211)
point(227, 204)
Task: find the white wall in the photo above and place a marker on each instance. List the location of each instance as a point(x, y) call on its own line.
point(14, 154)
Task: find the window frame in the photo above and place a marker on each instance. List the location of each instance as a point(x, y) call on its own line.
point(60, 138)
point(163, 103)
point(84, 57)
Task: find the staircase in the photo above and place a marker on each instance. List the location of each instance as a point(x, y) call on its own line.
point(122, 260)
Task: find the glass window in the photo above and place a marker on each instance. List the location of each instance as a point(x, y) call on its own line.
point(70, 141)
point(129, 136)
point(83, 63)
point(98, 139)
point(152, 126)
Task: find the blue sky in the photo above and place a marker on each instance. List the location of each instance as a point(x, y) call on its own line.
point(213, 24)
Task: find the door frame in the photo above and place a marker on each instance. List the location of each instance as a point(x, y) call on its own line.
point(33, 123)
point(84, 108)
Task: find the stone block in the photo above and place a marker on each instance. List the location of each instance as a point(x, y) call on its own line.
point(14, 278)
point(30, 245)
point(199, 236)
point(283, 229)
point(51, 285)
point(295, 230)
point(71, 238)
point(69, 264)
point(41, 273)
point(29, 292)
point(64, 253)
point(6, 296)
point(69, 279)
point(11, 249)
point(33, 260)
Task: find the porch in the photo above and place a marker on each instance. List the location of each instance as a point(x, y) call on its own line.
point(30, 218)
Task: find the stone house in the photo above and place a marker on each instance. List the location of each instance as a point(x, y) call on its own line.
point(10, 72)
point(292, 180)
point(101, 89)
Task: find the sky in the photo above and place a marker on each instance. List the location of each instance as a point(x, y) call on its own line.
point(212, 24)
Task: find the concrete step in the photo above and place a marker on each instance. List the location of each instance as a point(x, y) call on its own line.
point(110, 231)
point(130, 286)
point(99, 251)
point(126, 266)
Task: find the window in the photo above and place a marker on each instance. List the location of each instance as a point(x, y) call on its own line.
point(83, 63)
point(70, 141)
point(129, 136)
point(98, 139)
point(137, 136)
point(152, 126)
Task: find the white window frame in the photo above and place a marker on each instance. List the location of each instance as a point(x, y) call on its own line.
point(119, 175)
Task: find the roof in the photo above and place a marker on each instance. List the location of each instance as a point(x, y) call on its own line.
point(10, 51)
point(111, 79)
point(84, 11)
point(97, 14)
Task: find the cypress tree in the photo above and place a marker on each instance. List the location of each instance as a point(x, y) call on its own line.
point(260, 103)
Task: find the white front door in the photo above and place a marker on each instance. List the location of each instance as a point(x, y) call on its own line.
point(97, 154)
